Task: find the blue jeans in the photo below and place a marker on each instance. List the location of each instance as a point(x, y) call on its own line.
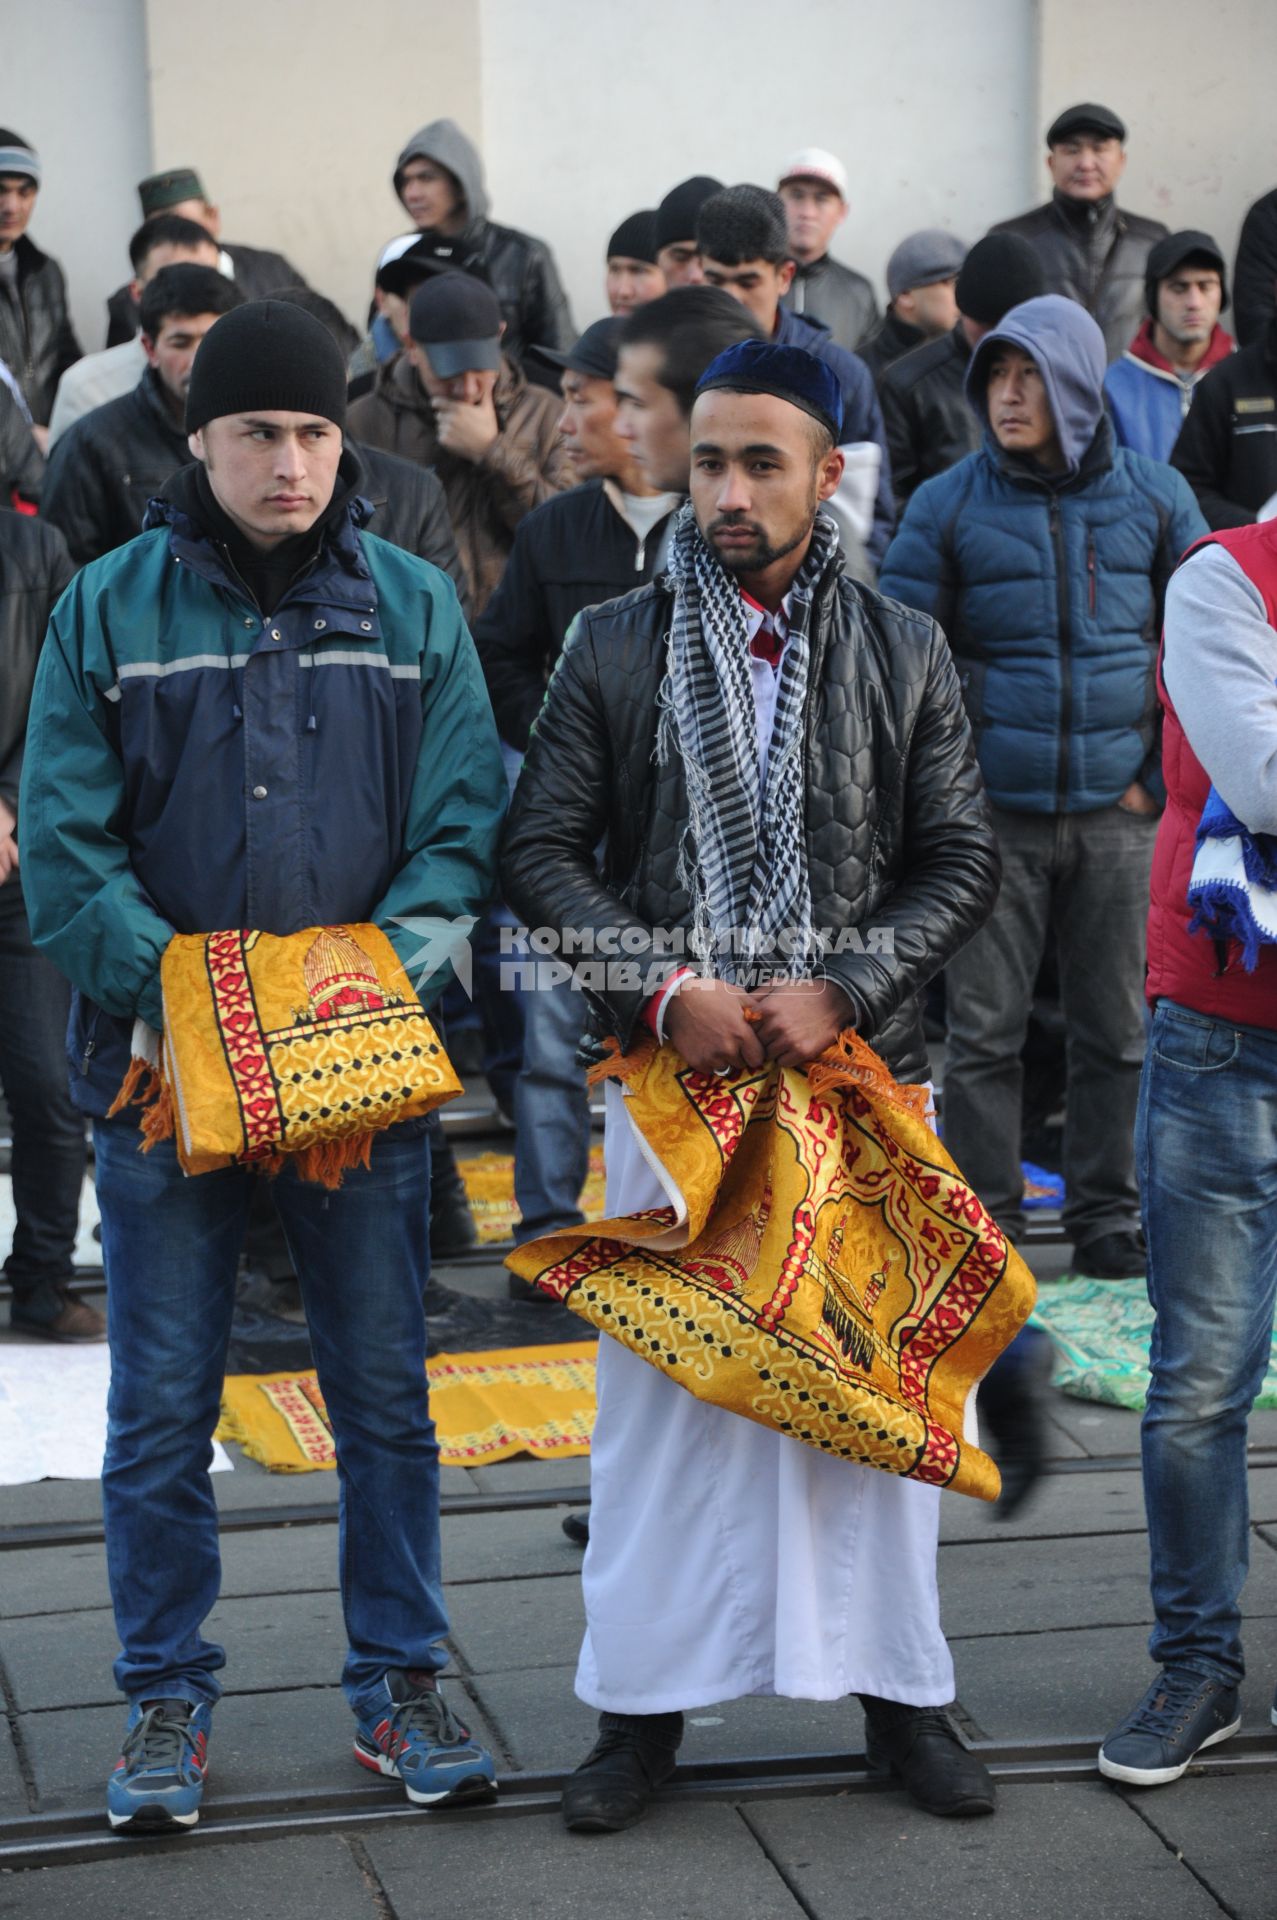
point(551, 1113)
point(171, 1245)
point(1206, 1153)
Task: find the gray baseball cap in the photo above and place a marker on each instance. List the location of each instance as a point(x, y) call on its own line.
point(457, 319)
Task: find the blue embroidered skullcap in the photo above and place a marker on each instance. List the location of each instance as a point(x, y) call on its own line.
point(790, 373)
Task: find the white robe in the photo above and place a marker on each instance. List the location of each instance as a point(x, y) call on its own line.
point(727, 1559)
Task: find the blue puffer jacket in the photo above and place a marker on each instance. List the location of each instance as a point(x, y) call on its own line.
point(1050, 588)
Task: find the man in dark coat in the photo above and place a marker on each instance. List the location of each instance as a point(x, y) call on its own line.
point(889, 831)
point(929, 424)
point(1092, 250)
point(921, 276)
point(37, 340)
point(439, 178)
point(35, 1000)
point(744, 243)
point(255, 270)
point(598, 540)
point(814, 190)
point(1227, 446)
point(109, 463)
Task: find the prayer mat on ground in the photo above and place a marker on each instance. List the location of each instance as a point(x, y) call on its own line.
point(489, 1184)
point(822, 1267)
point(1101, 1332)
point(487, 1407)
point(285, 1050)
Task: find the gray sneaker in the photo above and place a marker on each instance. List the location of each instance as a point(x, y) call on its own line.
point(1181, 1715)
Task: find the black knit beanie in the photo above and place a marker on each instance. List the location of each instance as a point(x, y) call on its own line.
point(266, 356)
point(1000, 272)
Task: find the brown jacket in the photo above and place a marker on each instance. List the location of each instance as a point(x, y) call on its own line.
point(486, 498)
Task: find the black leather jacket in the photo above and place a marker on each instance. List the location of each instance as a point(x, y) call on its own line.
point(1094, 252)
point(899, 837)
point(930, 426)
point(37, 340)
point(107, 465)
point(35, 568)
point(838, 296)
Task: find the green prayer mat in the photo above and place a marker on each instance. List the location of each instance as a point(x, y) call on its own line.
point(1101, 1332)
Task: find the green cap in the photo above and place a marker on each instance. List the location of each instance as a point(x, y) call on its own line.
point(160, 191)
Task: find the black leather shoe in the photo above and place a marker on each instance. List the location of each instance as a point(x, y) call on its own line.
point(577, 1528)
point(920, 1747)
point(633, 1756)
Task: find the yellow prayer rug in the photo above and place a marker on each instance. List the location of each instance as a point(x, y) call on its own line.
point(487, 1407)
point(823, 1268)
point(489, 1184)
point(297, 1048)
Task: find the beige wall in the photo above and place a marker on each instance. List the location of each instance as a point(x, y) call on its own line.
point(1195, 86)
point(293, 111)
point(586, 109)
point(595, 108)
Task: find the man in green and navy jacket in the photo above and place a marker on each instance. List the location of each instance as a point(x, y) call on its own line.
point(256, 715)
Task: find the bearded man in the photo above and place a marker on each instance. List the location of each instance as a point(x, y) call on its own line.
point(759, 742)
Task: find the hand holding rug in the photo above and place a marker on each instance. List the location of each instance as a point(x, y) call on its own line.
point(284, 1050)
point(822, 1268)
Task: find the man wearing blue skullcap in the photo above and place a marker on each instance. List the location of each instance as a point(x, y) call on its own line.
point(760, 743)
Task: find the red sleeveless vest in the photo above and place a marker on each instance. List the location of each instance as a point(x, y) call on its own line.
point(1186, 966)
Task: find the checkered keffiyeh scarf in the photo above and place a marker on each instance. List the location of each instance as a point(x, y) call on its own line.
point(743, 855)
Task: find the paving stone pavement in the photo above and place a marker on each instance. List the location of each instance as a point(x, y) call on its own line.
point(1048, 1616)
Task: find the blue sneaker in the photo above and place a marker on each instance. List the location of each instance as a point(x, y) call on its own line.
point(159, 1777)
point(1181, 1714)
point(418, 1739)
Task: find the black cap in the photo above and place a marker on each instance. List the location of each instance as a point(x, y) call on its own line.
point(406, 262)
point(1172, 252)
point(457, 319)
point(1087, 118)
point(998, 273)
point(266, 356)
point(594, 354)
point(676, 215)
point(635, 238)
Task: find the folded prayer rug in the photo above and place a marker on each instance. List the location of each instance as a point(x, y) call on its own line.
point(285, 1049)
point(486, 1407)
point(822, 1267)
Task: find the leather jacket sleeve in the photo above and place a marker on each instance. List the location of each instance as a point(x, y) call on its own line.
point(77, 497)
point(513, 635)
point(546, 317)
point(21, 461)
point(949, 883)
point(557, 817)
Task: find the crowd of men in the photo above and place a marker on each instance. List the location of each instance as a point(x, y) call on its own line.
point(970, 509)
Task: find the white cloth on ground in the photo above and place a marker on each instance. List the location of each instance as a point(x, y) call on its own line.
point(727, 1559)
